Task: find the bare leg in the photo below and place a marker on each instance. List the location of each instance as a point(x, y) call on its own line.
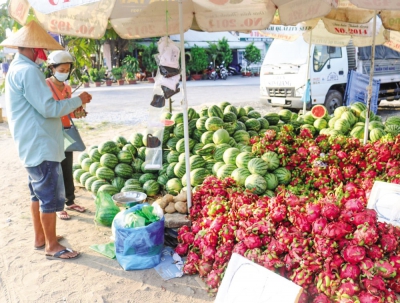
point(52, 246)
point(37, 224)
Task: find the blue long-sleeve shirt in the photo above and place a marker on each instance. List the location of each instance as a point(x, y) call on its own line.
point(33, 115)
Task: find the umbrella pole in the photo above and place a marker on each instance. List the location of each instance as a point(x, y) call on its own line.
point(185, 107)
point(308, 71)
point(371, 79)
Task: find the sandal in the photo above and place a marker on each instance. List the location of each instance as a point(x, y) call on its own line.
point(59, 238)
point(63, 215)
point(76, 207)
point(57, 255)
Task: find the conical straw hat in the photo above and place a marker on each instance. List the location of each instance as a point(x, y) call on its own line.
point(32, 35)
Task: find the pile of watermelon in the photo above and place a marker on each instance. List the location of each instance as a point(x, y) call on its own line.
point(349, 121)
point(219, 145)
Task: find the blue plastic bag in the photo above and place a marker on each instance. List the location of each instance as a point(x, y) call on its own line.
point(140, 247)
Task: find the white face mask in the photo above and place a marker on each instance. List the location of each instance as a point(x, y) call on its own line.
point(61, 76)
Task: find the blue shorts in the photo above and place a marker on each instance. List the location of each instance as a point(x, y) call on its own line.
point(46, 184)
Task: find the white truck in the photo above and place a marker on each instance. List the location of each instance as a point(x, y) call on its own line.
point(283, 75)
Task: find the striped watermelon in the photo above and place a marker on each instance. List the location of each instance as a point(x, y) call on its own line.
point(197, 162)
point(89, 182)
point(271, 159)
point(320, 124)
point(252, 124)
point(308, 118)
point(358, 132)
point(217, 166)
point(132, 182)
point(230, 155)
point(272, 118)
point(180, 145)
point(264, 124)
point(257, 166)
point(180, 169)
point(243, 119)
point(232, 142)
point(215, 111)
point(220, 136)
point(241, 112)
point(283, 174)
point(222, 105)
point(146, 177)
point(229, 117)
point(197, 147)
point(170, 170)
point(191, 114)
point(108, 147)
point(241, 136)
point(204, 112)
point(231, 109)
point(240, 175)
point(108, 188)
point(171, 143)
point(137, 165)
point(142, 153)
point(248, 109)
point(118, 182)
point(357, 108)
point(173, 156)
point(96, 185)
point(92, 147)
point(173, 186)
point(82, 156)
point(240, 126)
point(201, 124)
point(252, 133)
point(94, 167)
point(285, 115)
point(144, 170)
point(162, 179)
point(105, 173)
point(120, 141)
point(342, 125)
point(77, 174)
point(128, 188)
point(393, 120)
point(198, 175)
point(197, 135)
point(376, 134)
point(182, 157)
point(207, 150)
point(207, 137)
point(214, 123)
point(254, 114)
point(244, 148)
point(76, 166)
point(225, 171)
point(94, 155)
point(192, 126)
point(177, 118)
point(219, 151)
point(151, 188)
point(109, 160)
point(179, 131)
point(210, 164)
point(392, 129)
point(339, 111)
point(84, 177)
point(130, 148)
point(86, 164)
point(332, 121)
point(230, 128)
point(256, 184)
point(311, 128)
point(375, 124)
point(123, 170)
point(272, 181)
point(350, 117)
point(124, 156)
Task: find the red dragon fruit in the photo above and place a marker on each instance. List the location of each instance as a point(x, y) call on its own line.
point(353, 254)
point(365, 234)
point(327, 283)
point(367, 268)
point(192, 257)
point(321, 298)
point(394, 284)
point(366, 216)
point(395, 260)
point(390, 296)
point(278, 213)
point(354, 205)
point(190, 268)
point(324, 247)
point(224, 252)
point(350, 271)
point(375, 285)
point(313, 212)
point(240, 248)
point(301, 222)
point(291, 263)
point(227, 233)
point(252, 241)
point(217, 224)
point(209, 253)
point(349, 287)
point(253, 254)
point(366, 297)
point(182, 249)
point(213, 280)
point(333, 263)
point(318, 226)
point(385, 269)
point(277, 246)
point(330, 210)
point(302, 277)
point(388, 242)
point(204, 267)
point(270, 260)
point(210, 239)
point(375, 252)
point(187, 238)
point(336, 230)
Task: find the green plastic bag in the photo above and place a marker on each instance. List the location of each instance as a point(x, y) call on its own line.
point(147, 213)
point(106, 209)
point(133, 220)
point(107, 250)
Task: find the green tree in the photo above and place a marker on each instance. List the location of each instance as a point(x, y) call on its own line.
point(252, 54)
point(199, 59)
point(149, 62)
point(225, 52)
point(213, 52)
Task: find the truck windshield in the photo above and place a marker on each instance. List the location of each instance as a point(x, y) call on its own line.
point(323, 53)
point(281, 52)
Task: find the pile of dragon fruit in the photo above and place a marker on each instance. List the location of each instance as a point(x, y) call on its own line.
point(316, 231)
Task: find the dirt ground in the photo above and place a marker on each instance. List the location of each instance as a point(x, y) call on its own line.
point(27, 276)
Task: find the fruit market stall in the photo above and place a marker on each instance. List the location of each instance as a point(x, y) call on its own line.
point(287, 191)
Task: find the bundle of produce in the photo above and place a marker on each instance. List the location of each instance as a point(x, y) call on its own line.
point(331, 246)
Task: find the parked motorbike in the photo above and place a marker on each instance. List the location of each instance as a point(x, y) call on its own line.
point(233, 71)
point(223, 72)
point(211, 72)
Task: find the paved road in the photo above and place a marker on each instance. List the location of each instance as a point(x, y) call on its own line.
point(129, 104)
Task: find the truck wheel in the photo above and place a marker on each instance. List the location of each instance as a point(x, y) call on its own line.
point(333, 100)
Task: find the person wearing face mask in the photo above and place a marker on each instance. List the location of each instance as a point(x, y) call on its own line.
point(34, 120)
point(60, 66)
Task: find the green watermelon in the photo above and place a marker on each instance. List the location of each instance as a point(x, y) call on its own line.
point(136, 140)
point(84, 177)
point(230, 155)
point(207, 137)
point(252, 133)
point(232, 142)
point(201, 124)
point(108, 188)
point(283, 174)
point(332, 121)
point(376, 134)
point(191, 114)
point(272, 118)
point(179, 131)
point(248, 109)
point(162, 179)
point(392, 129)
point(76, 166)
point(128, 188)
point(253, 114)
point(342, 125)
point(219, 151)
point(348, 115)
point(243, 119)
point(375, 124)
point(252, 124)
point(264, 124)
point(180, 169)
point(285, 115)
point(109, 160)
point(86, 164)
point(198, 175)
point(240, 126)
point(121, 141)
point(171, 143)
point(240, 175)
point(77, 174)
point(130, 148)
point(358, 132)
point(92, 147)
point(94, 167)
point(309, 127)
point(146, 177)
point(182, 157)
point(393, 120)
point(241, 136)
point(339, 111)
point(124, 156)
point(357, 108)
point(217, 166)
point(89, 182)
point(123, 170)
point(204, 112)
point(214, 123)
point(231, 109)
point(118, 182)
point(94, 155)
point(207, 150)
point(308, 118)
point(173, 156)
point(320, 124)
point(257, 166)
point(197, 135)
point(271, 159)
point(82, 156)
point(210, 164)
point(197, 162)
point(256, 183)
point(230, 117)
point(241, 112)
point(272, 181)
point(137, 165)
point(142, 153)
point(215, 111)
point(132, 182)
point(177, 118)
point(173, 186)
point(151, 188)
point(180, 145)
point(170, 170)
point(230, 128)
point(225, 171)
point(105, 173)
point(220, 136)
point(108, 147)
point(222, 105)
point(197, 147)
point(94, 188)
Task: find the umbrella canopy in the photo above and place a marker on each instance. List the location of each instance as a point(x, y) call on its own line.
point(155, 18)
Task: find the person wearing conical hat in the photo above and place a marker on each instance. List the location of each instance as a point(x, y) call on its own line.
point(34, 121)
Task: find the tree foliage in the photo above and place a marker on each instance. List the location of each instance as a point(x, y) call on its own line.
point(225, 52)
point(199, 60)
point(252, 54)
point(148, 59)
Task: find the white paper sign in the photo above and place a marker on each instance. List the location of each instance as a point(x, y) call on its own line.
point(246, 281)
point(385, 200)
point(377, 4)
point(51, 6)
